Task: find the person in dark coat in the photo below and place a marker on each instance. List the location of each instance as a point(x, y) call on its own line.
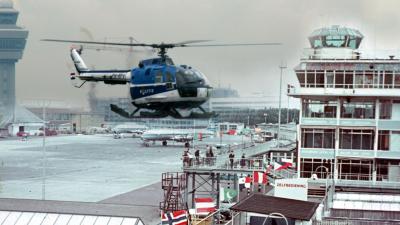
point(197, 155)
point(243, 161)
point(211, 153)
point(231, 159)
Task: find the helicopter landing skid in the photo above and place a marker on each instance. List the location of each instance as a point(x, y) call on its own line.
point(126, 114)
point(162, 114)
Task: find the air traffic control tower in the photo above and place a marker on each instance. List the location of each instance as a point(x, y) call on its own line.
point(12, 44)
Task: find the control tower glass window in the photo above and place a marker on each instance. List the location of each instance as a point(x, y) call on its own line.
point(335, 37)
point(335, 41)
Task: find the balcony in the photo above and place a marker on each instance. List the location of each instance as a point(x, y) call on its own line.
point(388, 124)
point(348, 153)
point(388, 154)
point(330, 91)
point(355, 153)
point(317, 153)
point(318, 121)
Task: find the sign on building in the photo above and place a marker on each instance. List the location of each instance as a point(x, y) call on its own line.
point(291, 188)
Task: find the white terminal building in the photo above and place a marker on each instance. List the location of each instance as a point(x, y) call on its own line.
point(350, 111)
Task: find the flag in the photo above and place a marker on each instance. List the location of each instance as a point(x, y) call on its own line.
point(278, 166)
point(246, 181)
point(174, 218)
point(287, 161)
point(259, 177)
point(226, 194)
point(204, 206)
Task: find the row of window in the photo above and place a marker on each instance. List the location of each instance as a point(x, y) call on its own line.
point(348, 139)
point(349, 79)
point(355, 110)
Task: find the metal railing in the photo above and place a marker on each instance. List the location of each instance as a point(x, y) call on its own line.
point(348, 54)
point(347, 221)
point(355, 176)
point(221, 160)
point(219, 217)
point(251, 163)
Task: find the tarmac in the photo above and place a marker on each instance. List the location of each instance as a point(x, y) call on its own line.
point(146, 201)
point(91, 168)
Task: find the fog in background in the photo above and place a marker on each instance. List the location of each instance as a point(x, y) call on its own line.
point(44, 72)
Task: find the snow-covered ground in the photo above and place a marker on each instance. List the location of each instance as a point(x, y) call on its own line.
point(81, 168)
point(84, 168)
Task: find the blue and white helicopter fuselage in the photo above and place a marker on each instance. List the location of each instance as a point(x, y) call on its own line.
point(156, 84)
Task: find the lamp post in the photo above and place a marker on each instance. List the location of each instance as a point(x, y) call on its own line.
point(44, 162)
point(287, 111)
point(265, 118)
point(282, 66)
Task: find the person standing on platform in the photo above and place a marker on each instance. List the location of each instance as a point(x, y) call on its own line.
point(208, 159)
point(197, 155)
point(211, 153)
point(185, 158)
point(243, 161)
point(231, 158)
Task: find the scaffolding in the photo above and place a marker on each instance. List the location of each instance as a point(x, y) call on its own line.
point(174, 185)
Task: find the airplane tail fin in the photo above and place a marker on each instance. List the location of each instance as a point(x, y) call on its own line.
point(78, 61)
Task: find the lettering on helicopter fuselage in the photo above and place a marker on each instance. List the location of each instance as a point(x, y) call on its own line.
point(146, 91)
point(119, 76)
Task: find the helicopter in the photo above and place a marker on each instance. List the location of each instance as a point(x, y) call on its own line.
point(157, 84)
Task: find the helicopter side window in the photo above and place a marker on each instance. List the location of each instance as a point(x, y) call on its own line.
point(147, 72)
point(158, 77)
point(168, 77)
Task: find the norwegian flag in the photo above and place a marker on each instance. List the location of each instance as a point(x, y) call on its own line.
point(259, 177)
point(174, 218)
point(204, 206)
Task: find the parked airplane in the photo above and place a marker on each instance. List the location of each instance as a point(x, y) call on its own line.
point(165, 135)
point(128, 130)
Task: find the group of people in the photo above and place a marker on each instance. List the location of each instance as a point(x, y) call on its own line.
point(188, 158)
point(242, 162)
point(209, 159)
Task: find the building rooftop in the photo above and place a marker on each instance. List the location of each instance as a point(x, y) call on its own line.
point(16, 211)
point(6, 4)
point(264, 204)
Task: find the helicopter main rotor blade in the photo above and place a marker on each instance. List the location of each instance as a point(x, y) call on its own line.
point(190, 42)
point(236, 44)
point(164, 45)
point(102, 43)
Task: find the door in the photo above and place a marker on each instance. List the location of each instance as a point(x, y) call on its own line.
point(330, 78)
point(396, 111)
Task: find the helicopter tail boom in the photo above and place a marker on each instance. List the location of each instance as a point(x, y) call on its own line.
point(106, 76)
point(78, 61)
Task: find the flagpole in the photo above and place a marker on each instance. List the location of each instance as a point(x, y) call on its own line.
point(238, 189)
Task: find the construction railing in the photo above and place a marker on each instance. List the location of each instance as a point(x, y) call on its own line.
point(251, 163)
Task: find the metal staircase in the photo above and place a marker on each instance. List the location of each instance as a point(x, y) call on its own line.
point(174, 185)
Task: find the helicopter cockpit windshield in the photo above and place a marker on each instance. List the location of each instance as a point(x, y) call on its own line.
point(191, 77)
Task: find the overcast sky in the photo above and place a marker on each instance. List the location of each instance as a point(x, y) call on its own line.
point(44, 72)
